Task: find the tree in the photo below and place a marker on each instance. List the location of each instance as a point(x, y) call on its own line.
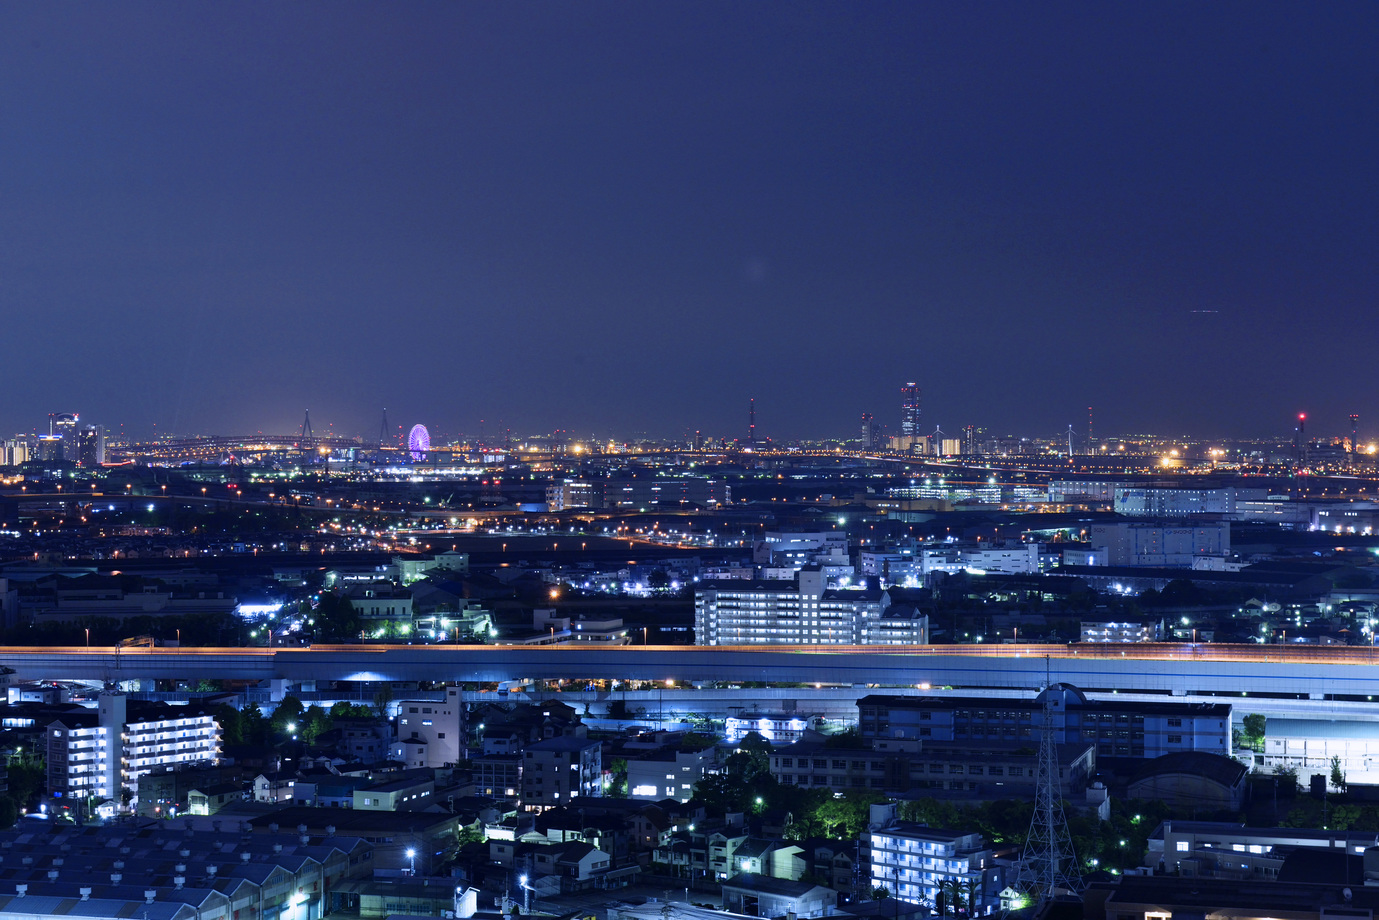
point(336, 617)
point(1337, 774)
point(314, 723)
point(231, 724)
point(253, 727)
point(9, 812)
point(289, 712)
point(1254, 724)
point(617, 767)
point(27, 777)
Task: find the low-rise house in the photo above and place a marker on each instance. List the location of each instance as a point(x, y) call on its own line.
point(764, 896)
point(275, 788)
point(412, 792)
point(212, 798)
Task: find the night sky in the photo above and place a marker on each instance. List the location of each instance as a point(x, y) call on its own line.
point(630, 217)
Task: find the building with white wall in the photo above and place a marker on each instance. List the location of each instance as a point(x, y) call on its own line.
point(915, 863)
point(95, 755)
point(430, 733)
point(803, 612)
point(775, 727)
point(1307, 745)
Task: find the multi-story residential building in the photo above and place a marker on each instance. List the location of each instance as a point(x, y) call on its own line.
point(1121, 728)
point(95, 756)
point(573, 493)
point(923, 865)
point(557, 770)
point(669, 773)
point(626, 494)
point(497, 776)
point(775, 727)
point(897, 624)
point(430, 733)
point(803, 612)
point(942, 770)
point(362, 738)
point(381, 606)
point(1119, 632)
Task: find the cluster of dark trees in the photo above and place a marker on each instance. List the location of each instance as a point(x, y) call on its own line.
point(291, 721)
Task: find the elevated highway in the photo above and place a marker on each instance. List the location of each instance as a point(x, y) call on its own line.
point(1178, 669)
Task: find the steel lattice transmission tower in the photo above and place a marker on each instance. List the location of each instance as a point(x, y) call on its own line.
point(1048, 865)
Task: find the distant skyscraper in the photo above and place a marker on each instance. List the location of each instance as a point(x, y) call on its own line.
point(909, 410)
point(49, 447)
point(90, 446)
point(868, 431)
point(63, 425)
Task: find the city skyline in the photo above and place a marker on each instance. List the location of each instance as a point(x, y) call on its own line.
point(216, 218)
point(1316, 429)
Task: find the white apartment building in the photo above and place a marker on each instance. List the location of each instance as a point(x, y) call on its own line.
point(915, 863)
point(775, 727)
point(786, 613)
point(1119, 632)
point(430, 733)
point(96, 756)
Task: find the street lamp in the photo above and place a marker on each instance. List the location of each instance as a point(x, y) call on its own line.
point(412, 861)
point(526, 894)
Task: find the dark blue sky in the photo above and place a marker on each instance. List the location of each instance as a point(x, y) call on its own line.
point(621, 217)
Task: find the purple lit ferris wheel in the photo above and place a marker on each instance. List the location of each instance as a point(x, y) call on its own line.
point(418, 441)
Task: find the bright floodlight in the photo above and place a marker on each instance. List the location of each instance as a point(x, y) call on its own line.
point(418, 441)
point(411, 853)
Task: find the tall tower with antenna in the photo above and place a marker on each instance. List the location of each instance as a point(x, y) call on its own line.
point(1301, 445)
point(1091, 436)
point(1354, 434)
point(910, 395)
point(383, 430)
point(1048, 865)
point(752, 423)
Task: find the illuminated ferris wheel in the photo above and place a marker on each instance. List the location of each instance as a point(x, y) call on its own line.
point(418, 442)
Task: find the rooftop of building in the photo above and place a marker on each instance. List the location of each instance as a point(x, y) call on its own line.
point(1321, 728)
point(568, 744)
point(765, 884)
point(1224, 770)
